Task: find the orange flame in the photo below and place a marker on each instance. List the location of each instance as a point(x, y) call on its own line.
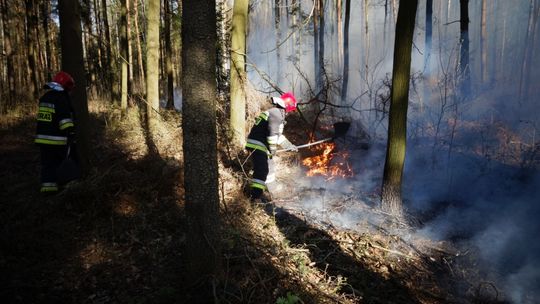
point(329, 164)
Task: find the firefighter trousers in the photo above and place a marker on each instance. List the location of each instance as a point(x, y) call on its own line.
point(51, 158)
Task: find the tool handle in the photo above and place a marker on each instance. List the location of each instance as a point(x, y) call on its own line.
point(308, 145)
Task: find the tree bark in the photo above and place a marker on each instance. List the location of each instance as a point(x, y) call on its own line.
point(123, 55)
point(238, 71)
point(346, 51)
point(152, 59)
point(464, 53)
point(397, 121)
point(30, 37)
point(73, 63)
point(111, 75)
point(483, 46)
point(200, 138)
point(169, 55)
point(140, 65)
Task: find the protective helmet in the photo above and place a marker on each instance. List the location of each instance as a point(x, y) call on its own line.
point(65, 80)
point(287, 101)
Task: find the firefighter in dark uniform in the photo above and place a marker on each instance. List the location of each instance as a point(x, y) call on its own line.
point(55, 128)
point(264, 138)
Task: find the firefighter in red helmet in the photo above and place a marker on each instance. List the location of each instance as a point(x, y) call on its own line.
point(264, 138)
point(55, 128)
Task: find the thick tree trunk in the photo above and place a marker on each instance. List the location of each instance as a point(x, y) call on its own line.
point(152, 60)
point(73, 63)
point(238, 71)
point(200, 139)
point(397, 121)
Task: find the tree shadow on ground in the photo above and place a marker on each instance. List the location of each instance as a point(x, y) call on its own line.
point(116, 236)
point(331, 259)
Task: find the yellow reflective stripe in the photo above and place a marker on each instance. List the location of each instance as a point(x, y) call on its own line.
point(257, 183)
point(66, 125)
point(49, 188)
point(256, 147)
point(46, 109)
point(50, 141)
point(264, 115)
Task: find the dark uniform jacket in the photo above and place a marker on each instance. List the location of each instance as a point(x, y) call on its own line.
point(55, 117)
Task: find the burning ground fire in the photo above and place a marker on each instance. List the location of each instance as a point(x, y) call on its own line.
point(329, 164)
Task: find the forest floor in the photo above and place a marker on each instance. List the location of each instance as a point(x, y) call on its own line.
point(118, 236)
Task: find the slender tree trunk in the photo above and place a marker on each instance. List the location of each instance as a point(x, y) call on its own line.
point(397, 121)
point(316, 68)
point(200, 140)
point(346, 51)
point(45, 11)
point(339, 27)
point(321, 42)
point(73, 63)
point(277, 25)
point(152, 60)
point(238, 70)
point(427, 54)
point(129, 48)
point(9, 52)
point(112, 79)
point(483, 45)
point(464, 54)
point(124, 55)
point(526, 63)
point(169, 55)
point(140, 64)
point(99, 49)
point(32, 22)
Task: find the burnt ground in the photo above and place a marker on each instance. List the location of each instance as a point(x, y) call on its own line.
point(118, 236)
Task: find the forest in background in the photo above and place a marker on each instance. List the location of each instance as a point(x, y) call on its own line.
point(471, 172)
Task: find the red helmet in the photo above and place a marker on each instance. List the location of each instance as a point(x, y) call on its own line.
point(65, 80)
point(287, 101)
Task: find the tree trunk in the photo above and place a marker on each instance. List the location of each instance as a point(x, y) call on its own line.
point(152, 60)
point(123, 55)
point(9, 53)
point(525, 74)
point(129, 49)
point(397, 121)
point(111, 75)
point(321, 43)
point(73, 63)
point(30, 37)
point(140, 64)
point(45, 11)
point(277, 25)
point(346, 51)
point(200, 139)
point(427, 55)
point(483, 46)
point(464, 54)
point(238, 70)
point(169, 55)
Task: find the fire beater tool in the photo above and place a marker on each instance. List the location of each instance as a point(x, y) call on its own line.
point(340, 129)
